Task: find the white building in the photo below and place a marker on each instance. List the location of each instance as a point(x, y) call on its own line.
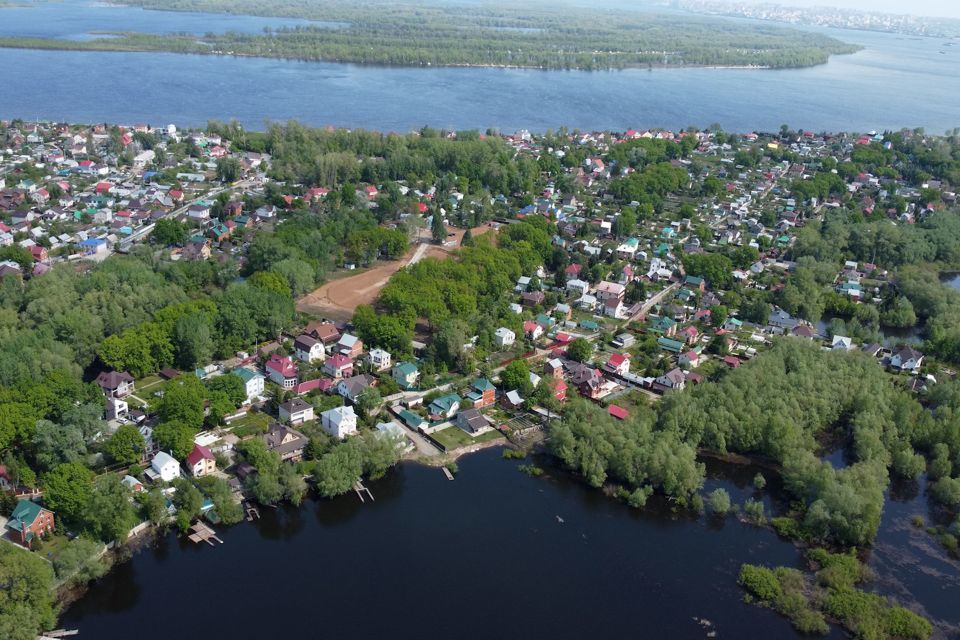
point(296, 411)
point(309, 349)
point(504, 337)
point(165, 467)
point(380, 360)
point(252, 382)
point(339, 422)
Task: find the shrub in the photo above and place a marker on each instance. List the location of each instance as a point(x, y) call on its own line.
point(760, 582)
point(718, 502)
point(759, 482)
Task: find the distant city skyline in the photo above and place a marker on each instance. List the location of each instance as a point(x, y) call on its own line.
point(935, 8)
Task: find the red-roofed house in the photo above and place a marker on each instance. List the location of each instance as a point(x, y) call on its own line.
point(282, 371)
point(560, 390)
point(338, 366)
point(201, 461)
point(103, 187)
point(39, 253)
point(618, 363)
point(532, 330)
point(731, 361)
point(689, 359)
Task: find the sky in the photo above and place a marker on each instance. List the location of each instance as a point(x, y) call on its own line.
point(944, 8)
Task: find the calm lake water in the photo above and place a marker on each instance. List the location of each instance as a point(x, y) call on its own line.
point(483, 556)
point(895, 82)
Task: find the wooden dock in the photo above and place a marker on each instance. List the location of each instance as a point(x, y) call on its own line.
point(361, 489)
point(447, 473)
point(59, 633)
point(252, 512)
point(202, 533)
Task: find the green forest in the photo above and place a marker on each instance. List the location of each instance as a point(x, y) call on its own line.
point(784, 407)
point(538, 36)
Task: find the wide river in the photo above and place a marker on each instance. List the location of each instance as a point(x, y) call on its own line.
point(894, 82)
point(493, 554)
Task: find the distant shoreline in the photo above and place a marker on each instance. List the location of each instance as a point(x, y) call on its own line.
point(112, 43)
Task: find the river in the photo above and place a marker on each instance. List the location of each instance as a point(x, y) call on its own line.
point(495, 553)
point(894, 82)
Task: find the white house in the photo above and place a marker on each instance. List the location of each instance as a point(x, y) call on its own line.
point(504, 337)
point(296, 411)
point(339, 422)
point(579, 287)
point(252, 382)
point(906, 359)
point(841, 343)
point(309, 349)
point(380, 360)
point(165, 467)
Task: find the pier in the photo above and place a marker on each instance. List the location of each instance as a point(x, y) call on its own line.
point(202, 533)
point(359, 487)
point(447, 473)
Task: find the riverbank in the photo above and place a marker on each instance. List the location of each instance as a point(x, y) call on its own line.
point(491, 521)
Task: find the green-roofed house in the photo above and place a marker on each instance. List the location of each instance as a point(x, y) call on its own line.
point(444, 407)
point(685, 295)
point(662, 249)
point(29, 520)
point(411, 419)
point(482, 393)
point(253, 382)
point(406, 375)
point(672, 346)
point(695, 282)
point(664, 325)
point(590, 325)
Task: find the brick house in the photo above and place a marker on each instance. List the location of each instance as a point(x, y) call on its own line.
point(28, 521)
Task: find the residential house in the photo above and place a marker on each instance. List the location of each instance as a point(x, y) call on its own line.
point(694, 282)
point(689, 359)
point(309, 349)
point(532, 298)
point(116, 408)
point(577, 287)
point(614, 308)
point(672, 346)
point(351, 388)
point(624, 340)
point(350, 346)
point(842, 343)
point(253, 383)
point(560, 390)
point(504, 337)
point(406, 375)
point(482, 393)
point(663, 325)
point(554, 368)
point(512, 400)
point(201, 461)
point(380, 360)
point(282, 371)
point(164, 467)
point(532, 330)
point(906, 359)
point(444, 407)
point(472, 421)
point(326, 332)
point(339, 366)
point(618, 363)
point(339, 422)
point(296, 411)
point(672, 380)
point(610, 290)
point(689, 334)
point(29, 521)
point(286, 442)
point(116, 384)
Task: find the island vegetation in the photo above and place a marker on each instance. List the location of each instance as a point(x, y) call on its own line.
point(438, 34)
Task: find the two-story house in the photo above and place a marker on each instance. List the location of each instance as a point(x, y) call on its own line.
point(339, 422)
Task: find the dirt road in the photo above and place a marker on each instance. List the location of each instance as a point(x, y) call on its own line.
point(338, 298)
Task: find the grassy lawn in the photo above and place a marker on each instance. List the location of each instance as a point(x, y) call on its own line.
point(454, 437)
point(147, 384)
point(51, 548)
point(253, 422)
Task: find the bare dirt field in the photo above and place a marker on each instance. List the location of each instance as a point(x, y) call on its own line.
point(338, 298)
